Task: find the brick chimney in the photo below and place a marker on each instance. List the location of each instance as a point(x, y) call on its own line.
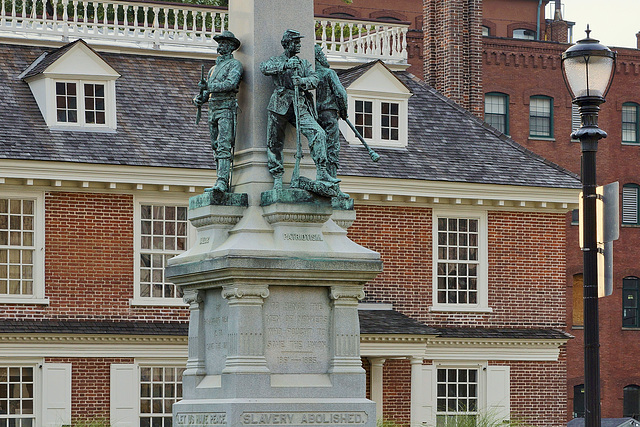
point(558, 30)
point(453, 50)
point(638, 39)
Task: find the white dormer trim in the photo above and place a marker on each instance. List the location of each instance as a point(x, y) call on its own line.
point(376, 87)
point(79, 66)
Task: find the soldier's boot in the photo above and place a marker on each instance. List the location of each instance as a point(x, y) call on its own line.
point(277, 183)
point(222, 183)
point(332, 170)
point(323, 175)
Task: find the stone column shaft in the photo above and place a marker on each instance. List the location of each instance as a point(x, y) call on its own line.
point(416, 385)
point(377, 368)
point(346, 329)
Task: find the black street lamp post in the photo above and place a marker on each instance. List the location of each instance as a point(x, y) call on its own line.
point(588, 68)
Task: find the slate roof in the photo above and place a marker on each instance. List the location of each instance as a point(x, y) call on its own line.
point(497, 333)
point(154, 113)
point(371, 322)
point(447, 143)
point(391, 322)
point(156, 128)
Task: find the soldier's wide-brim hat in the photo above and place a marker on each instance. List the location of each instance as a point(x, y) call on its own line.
point(228, 36)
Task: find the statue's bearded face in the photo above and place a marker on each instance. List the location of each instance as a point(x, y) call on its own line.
point(225, 47)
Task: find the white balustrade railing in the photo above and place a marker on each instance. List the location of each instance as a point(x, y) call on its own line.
point(181, 26)
point(145, 24)
point(368, 40)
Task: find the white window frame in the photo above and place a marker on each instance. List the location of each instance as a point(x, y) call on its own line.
point(81, 125)
point(38, 296)
point(191, 234)
point(481, 384)
point(482, 304)
point(377, 100)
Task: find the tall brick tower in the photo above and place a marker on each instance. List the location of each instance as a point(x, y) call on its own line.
point(453, 50)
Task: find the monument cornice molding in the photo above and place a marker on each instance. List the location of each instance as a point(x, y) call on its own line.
point(242, 291)
point(226, 219)
point(349, 292)
point(313, 218)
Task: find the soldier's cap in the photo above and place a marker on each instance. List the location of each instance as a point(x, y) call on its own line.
point(228, 36)
point(291, 35)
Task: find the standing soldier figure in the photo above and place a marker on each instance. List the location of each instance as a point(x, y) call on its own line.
point(220, 89)
point(331, 104)
point(289, 71)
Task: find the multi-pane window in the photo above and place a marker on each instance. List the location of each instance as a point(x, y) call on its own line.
point(66, 102)
point(630, 113)
point(163, 235)
point(541, 116)
point(631, 401)
point(94, 104)
point(160, 388)
point(16, 397)
point(630, 294)
point(457, 260)
point(496, 108)
point(457, 397)
point(79, 103)
point(578, 401)
point(17, 246)
point(630, 204)
point(524, 34)
point(364, 118)
point(389, 120)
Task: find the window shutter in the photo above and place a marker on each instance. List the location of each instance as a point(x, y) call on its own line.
point(575, 118)
point(629, 204)
point(498, 392)
point(426, 412)
point(124, 397)
point(56, 394)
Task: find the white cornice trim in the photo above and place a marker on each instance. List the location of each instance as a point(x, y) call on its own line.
point(493, 349)
point(50, 345)
point(90, 176)
point(393, 345)
point(418, 192)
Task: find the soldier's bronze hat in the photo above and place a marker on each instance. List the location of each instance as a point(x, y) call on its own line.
point(228, 36)
point(291, 35)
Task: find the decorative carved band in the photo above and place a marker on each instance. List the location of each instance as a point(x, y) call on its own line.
point(240, 291)
point(192, 297)
point(276, 217)
point(229, 220)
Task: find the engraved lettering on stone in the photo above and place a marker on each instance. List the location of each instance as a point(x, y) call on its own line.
point(201, 419)
point(218, 327)
point(303, 237)
point(300, 418)
point(204, 240)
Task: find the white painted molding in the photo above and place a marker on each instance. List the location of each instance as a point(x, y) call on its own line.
point(492, 349)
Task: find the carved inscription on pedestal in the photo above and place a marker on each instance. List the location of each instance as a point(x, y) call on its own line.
point(201, 419)
point(216, 321)
point(296, 323)
point(302, 418)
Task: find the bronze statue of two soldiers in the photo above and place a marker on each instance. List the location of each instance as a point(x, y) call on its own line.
point(291, 103)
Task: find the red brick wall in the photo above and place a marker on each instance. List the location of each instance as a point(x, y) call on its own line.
point(89, 262)
point(526, 266)
point(396, 382)
point(90, 379)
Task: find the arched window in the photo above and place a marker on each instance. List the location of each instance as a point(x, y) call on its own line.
point(630, 312)
point(541, 116)
point(631, 401)
point(496, 111)
point(630, 121)
point(578, 401)
point(524, 34)
point(630, 193)
point(578, 302)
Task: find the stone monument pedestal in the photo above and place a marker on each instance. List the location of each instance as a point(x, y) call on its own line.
point(274, 335)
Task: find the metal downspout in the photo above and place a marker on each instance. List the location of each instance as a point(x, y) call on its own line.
point(538, 20)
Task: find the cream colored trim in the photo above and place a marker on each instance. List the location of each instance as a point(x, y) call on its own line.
point(393, 346)
point(80, 345)
point(466, 349)
point(92, 177)
point(413, 192)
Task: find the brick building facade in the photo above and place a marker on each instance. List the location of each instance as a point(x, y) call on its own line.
point(471, 298)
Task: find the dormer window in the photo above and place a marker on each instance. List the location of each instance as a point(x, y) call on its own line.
point(75, 89)
point(378, 108)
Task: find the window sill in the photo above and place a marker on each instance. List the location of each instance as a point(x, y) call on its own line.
point(630, 225)
point(157, 302)
point(630, 143)
point(460, 309)
point(23, 300)
point(541, 138)
point(577, 327)
point(630, 328)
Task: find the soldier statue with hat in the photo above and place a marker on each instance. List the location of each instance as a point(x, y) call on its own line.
point(292, 102)
point(219, 89)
